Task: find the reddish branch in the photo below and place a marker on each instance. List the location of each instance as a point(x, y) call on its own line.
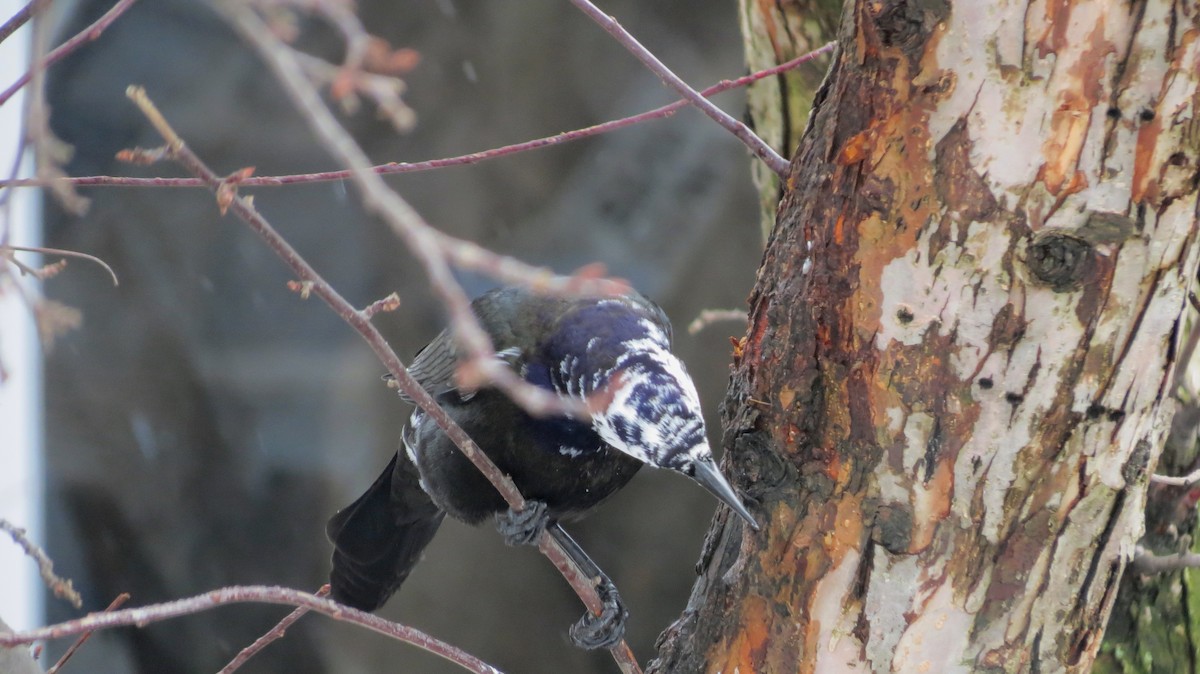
point(61, 587)
point(82, 37)
point(112, 606)
point(461, 160)
point(20, 18)
point(241, 206)
point(314, 283)
point(760, 149)
point(249, 594)
point(275, 633)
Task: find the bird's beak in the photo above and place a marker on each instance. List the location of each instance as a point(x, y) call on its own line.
point(710, 477)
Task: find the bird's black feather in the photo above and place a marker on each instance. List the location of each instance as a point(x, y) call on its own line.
point(576, 347)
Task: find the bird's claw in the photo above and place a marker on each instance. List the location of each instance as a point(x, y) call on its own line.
point(523, 527)
point(606, 630)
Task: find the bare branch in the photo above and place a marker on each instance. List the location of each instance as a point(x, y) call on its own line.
point(82, 37)
point(384, 90)
point(760, 149)
point(64, 253)
point(432, 248)
point(389, 303)
point(19, 19)
point(261, 594)
point(393, 168)
point(61, 587)
point(112, 606)
point(1184, 481)
point(709, 316)
point(275, 633)
point(1148, 563)
point(313, 282)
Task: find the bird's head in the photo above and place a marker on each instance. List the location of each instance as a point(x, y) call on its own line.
point(644, 402)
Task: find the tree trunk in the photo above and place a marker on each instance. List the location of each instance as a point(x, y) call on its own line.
point(774, 32)
point(961, 345)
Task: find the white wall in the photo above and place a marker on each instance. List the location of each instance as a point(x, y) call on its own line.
point(21, 461)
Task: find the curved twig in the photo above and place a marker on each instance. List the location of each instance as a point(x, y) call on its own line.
point(81, 38)
point(743, 133)
point(395, 168)
point(65, 253)
point(275, 633)
point(260, 594)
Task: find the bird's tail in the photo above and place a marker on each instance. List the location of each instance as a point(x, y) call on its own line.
point(379, 538)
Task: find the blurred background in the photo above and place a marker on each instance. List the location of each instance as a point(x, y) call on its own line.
point(204, 422)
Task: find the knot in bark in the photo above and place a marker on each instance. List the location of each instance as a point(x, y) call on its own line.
point(1060, 260)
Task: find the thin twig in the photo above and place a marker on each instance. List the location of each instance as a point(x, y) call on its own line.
point(275, 633)
point(260, 594)
point(393, 168)
point(1148, 563)
point(61, 587)
point(389, 303)
point(760, 149)
point(112, 606)
point(82, 37)
point(384, 90)
point(316, 284)
point(20, 18)
point(241, 206)
point(432, 248)
point(1183, 481)
point(64, 253)
point(50, 153)
point(709, 316)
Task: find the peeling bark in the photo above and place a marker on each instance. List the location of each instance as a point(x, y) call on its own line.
point(956, 376)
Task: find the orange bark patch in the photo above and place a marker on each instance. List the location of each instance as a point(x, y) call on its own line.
point(786, 397)
point(766, 8)
point(1069, 123)
point(839, 230)
point(1144, 185)
point(748, 649)
point(856, 148)
point(1068, 128)
point(847, 530)
point(1058, 17)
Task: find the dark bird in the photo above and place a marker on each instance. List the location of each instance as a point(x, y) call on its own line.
point(614, 349)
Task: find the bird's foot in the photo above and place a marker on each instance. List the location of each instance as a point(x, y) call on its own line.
point(605, 630)
point(523, 527)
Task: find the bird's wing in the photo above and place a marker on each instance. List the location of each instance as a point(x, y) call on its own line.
point(434, 366)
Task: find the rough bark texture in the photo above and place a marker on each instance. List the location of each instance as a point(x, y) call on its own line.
point(776, 31)
point(961, 345)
